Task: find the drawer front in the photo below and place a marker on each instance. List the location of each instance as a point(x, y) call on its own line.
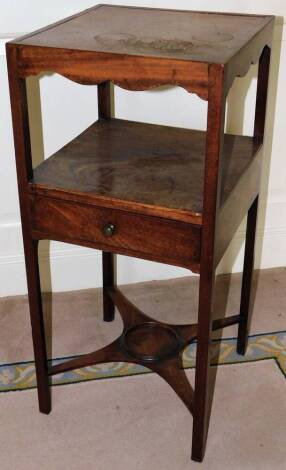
point(117, 231)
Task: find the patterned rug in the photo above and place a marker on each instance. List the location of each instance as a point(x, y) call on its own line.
point(21, 375)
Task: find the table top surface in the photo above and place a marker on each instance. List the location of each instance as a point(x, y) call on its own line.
point(187, 35)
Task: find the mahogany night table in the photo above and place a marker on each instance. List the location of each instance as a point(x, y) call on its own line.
point(165, 194)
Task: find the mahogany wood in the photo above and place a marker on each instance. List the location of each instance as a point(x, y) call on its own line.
point(239, 64)
point(164, 240)
point(105, 96)
point(191, 35)
point(129, 72)
point(144, 54)
point(232, 212)
point(24, 173)
point(247, 279)
point(168, 364)
point(212, 191)
point(109, 280)
point(261, 99)
point(169, 195)
point(170, 369)
point(164, 167)
point(259, 125)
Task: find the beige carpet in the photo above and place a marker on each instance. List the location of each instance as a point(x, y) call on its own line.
point(138, 422)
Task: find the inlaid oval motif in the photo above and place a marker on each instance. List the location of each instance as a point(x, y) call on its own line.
point(213, 38)
point(164, 45)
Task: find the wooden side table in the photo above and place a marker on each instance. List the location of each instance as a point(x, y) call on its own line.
point(171, 195)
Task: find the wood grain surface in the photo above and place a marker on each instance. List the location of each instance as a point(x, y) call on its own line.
point(156, 168)
point(189, 35)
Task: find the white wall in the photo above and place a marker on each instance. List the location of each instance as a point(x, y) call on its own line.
point(67, 108)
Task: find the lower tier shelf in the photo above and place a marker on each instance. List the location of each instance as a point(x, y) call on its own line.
point(156, 345)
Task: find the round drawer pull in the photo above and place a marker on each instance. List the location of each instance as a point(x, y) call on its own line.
point(109, 230)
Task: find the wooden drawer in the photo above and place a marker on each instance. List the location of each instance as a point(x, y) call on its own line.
point(147, 237)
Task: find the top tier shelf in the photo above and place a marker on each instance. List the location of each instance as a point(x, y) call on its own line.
point(141, 48)
point(188, 35)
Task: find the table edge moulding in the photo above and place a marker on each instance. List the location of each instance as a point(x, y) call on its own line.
point(187, 192)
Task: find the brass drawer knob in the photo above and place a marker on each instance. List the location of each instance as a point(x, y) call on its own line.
point(109, 230)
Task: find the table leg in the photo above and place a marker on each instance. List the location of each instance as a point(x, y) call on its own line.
point(109, 281)
point(245, 301)
point(201, 396)
point(105, 95)
point(37, 323)
point(19, 106)
point(212, 192)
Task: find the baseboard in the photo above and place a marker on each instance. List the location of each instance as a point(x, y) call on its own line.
point(72, 268)
point(66, 267)
point(78, 268)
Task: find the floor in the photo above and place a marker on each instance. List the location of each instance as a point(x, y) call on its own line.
point(138, 422)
